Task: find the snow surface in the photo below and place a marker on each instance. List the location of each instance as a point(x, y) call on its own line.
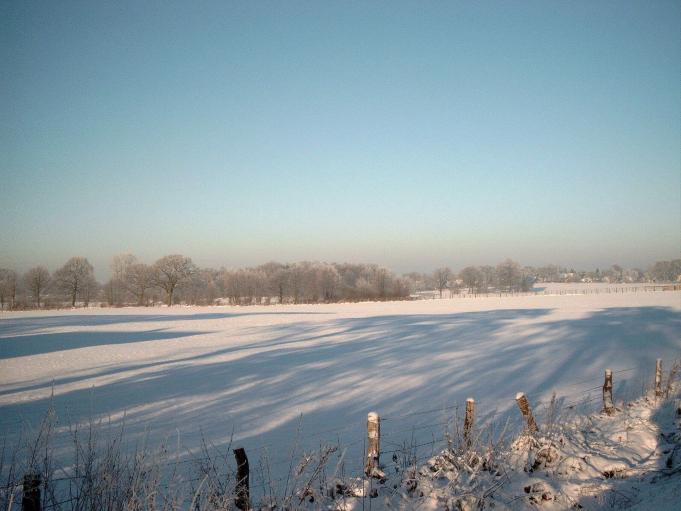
point(259, 374)
point(630, 459)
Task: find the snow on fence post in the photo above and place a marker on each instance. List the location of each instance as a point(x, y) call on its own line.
point(30, 500)
point(242, 491)
point(373, 444)
point(658, 377)
point(607, 393)
point(469, 421)
point(526, 411)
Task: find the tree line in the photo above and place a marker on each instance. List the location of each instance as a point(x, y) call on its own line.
point(176, 279)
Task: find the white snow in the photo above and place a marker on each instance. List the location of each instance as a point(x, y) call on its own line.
point(629, 460)
point(261, 373)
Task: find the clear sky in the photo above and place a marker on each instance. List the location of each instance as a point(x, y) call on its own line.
point(411, 134)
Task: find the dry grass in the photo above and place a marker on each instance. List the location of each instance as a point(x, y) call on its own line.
point(101, 472)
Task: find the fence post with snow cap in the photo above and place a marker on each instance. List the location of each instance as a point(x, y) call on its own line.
point(242, 491)
point(373, 444)
point(469, 421)
point(608, 407)
point(658, 377)
point(30, 500)
point(526, 411)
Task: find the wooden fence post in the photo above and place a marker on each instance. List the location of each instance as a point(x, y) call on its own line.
point(526, 411)
point(373, 444)
point(469, 421)
point(607, 393)
point(658, 377)
point(30, 500)
point(243, 493)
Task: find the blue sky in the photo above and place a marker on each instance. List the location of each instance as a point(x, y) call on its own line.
point(410, 134)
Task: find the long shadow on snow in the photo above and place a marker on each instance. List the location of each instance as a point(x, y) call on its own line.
point(300, 369)
point(617, 337)
point(18, 326)
point(392, 364)
point(50, 343)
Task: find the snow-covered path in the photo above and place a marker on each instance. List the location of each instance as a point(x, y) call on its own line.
point(252, 371)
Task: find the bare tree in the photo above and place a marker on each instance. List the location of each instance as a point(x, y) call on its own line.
point(138, 279)
point(441, 277)
point(279, 282)
point(116, 287)
point(509, 274)
point(89, 289)
point(171, 270)
point(37, 280)
point(472, 278)
point(381, 281)
point(666, 271)
point(201, 288)
point(232, 285)
point(489, 277)
point(75, 277)
point(130, 278)
point(327, 281)
point(309, 282)
point(296, 278)
point(549, 273)
point(8, 287)
point(415, 282)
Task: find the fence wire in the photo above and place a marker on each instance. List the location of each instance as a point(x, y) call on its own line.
point(409, 451)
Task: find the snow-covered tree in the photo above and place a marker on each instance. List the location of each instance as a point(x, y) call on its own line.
point(509, 275)
point(8, 287)
point(471, 277)
point(36, 280)
point(75, 278)
point(171, 270)
point(441, 276)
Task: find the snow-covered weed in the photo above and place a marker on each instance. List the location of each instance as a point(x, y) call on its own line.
point(597, 460)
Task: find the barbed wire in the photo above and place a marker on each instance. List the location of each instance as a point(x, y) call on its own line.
point(408, 451)
point(416, 446)
point(58, 505)
point(421, 412)
point(415, 428)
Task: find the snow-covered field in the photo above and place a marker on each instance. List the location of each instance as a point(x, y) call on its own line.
point(261, 373)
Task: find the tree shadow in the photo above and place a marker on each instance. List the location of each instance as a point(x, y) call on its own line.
point(19, 325)
point(39, 344)
point(334, 372)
